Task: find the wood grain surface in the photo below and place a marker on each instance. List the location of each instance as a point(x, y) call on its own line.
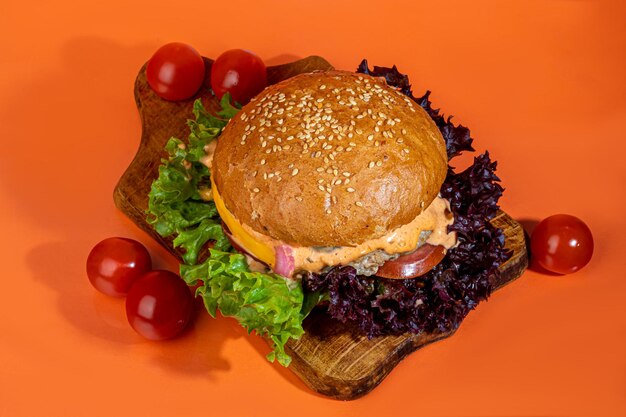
point(330, 357)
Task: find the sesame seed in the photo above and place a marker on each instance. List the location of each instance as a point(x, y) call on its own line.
point(256, 190)
point(299, 198)
point(350, 190)
point(320, 169)
point(358, 203)
point(346, 174)
point(321, 187)
point(352, 144)
point(262, 161)
point(371, 164)
point(378, 163)
point(370, 137)
point(406, 150)
point(400, 140)
point(328, 211)
point(322, 87)
point(320, 181)
point(294, 172)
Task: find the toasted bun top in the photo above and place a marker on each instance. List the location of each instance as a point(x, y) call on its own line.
point(329, 159)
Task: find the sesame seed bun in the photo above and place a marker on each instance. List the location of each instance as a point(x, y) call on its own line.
point(329, 159)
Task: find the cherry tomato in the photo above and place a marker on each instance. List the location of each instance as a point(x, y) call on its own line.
point(413, 264)
point(239, 72)
point(175, 71)
point(115, 263)
point(562, 244)
point(159, 305)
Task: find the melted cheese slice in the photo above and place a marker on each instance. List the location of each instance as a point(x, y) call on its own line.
point(256, 248)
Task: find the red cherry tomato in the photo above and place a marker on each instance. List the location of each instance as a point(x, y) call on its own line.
point(239, 72)
point(159, 305)
point(175, 71)
point(562, 244)
point(413, 264)
point(115, 263)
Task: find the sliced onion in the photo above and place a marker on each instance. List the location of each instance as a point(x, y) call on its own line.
point(285, 262)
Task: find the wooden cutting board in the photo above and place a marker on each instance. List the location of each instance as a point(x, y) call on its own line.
point(330, 358)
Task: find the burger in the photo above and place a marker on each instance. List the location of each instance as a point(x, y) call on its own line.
point(333, 168)
point(331, 189)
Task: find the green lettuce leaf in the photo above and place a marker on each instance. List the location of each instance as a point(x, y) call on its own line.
point(175, 206)
point(267, 304)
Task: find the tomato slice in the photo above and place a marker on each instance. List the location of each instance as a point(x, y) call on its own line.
point(413, 264)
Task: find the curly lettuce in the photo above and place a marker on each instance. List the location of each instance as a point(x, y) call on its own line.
point(267, 304)
point(441, 299)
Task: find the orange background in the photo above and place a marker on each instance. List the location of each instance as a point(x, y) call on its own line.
point(542, 86)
